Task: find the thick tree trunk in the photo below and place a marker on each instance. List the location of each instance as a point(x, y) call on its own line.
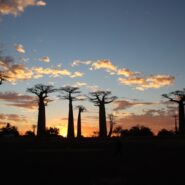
point(70, 131)
point(181, 118)
point(41, 125)
point(79, 125)
point(102, 122)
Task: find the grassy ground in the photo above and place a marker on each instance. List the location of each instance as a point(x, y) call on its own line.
point(132, 161)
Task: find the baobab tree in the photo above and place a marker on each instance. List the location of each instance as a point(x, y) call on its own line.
point(80, 110)
point(42, 92)
point(100, 99)
point(179, 98)
point(112, 122)
point(68, 95)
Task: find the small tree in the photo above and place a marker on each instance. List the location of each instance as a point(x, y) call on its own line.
point(179, 98)
point(68, 92)
point(100, 99)
point(80, 110)
point(42, 92)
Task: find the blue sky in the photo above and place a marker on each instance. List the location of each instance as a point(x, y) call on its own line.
point(143, 36)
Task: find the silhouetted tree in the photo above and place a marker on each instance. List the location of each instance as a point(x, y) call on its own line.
point(117, 130)
point(179, 98)
point(29, 133)
point(52, 131)
point(137, 131)
point(42, 92)
point(112, 123)
point(68, 95)
point(165, 132)
point(80, 110)
point(100, 98)
point(9, 131)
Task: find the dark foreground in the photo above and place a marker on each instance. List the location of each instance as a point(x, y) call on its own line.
point(139, 161)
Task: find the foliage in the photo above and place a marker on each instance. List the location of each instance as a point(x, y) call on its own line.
point(165, 132)
point(137, 131)
point(9, 131)
point(52, 131)
point(30, 133)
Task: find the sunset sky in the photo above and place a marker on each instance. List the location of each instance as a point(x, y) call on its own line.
point(134, 48)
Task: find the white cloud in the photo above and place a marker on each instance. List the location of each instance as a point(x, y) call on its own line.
point(77, 74)
point(151, 82)
point(20, 48)
point(16, 7)
point(78, 62)
point(44, 59)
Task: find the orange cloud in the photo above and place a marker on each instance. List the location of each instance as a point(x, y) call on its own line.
point(125, 104)
point(20, 48)
point(77, 74)
point(154, 119)
point(18, 72)
point(9, 118)
point(53, 72)
point(16, 7)
point(151, 82)
point(125, 72)
point(18, 100)
point(104, 64)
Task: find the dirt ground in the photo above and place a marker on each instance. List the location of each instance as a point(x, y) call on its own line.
point(131, 161)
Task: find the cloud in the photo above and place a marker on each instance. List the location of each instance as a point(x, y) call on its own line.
point(155, 119)
point(104, 64)
point(16, 7)
point(80, 84)
point(125, 104)
point(20, 48)
point(18, 100)
point(9, 118)
point(44, 59)
point(6, 62)
point(78, 62)
point(126, 72)
point(53, 72)
point(18, 72)
point(77, 74)
point(151, 82)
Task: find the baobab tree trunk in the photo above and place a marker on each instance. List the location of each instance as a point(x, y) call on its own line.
point(79, 125)
point(181, 118)
point(41, 125)
point(102, 122)
point(70, 131)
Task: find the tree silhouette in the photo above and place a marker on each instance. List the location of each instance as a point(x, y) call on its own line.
point(9, 131)
point(68, 95)
point(179, 98)
point(100, 98)
point(52, 131)
point(80, 110)
point(165, 132)
point(137, 131)
point(42, 92)
point(112, 123)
